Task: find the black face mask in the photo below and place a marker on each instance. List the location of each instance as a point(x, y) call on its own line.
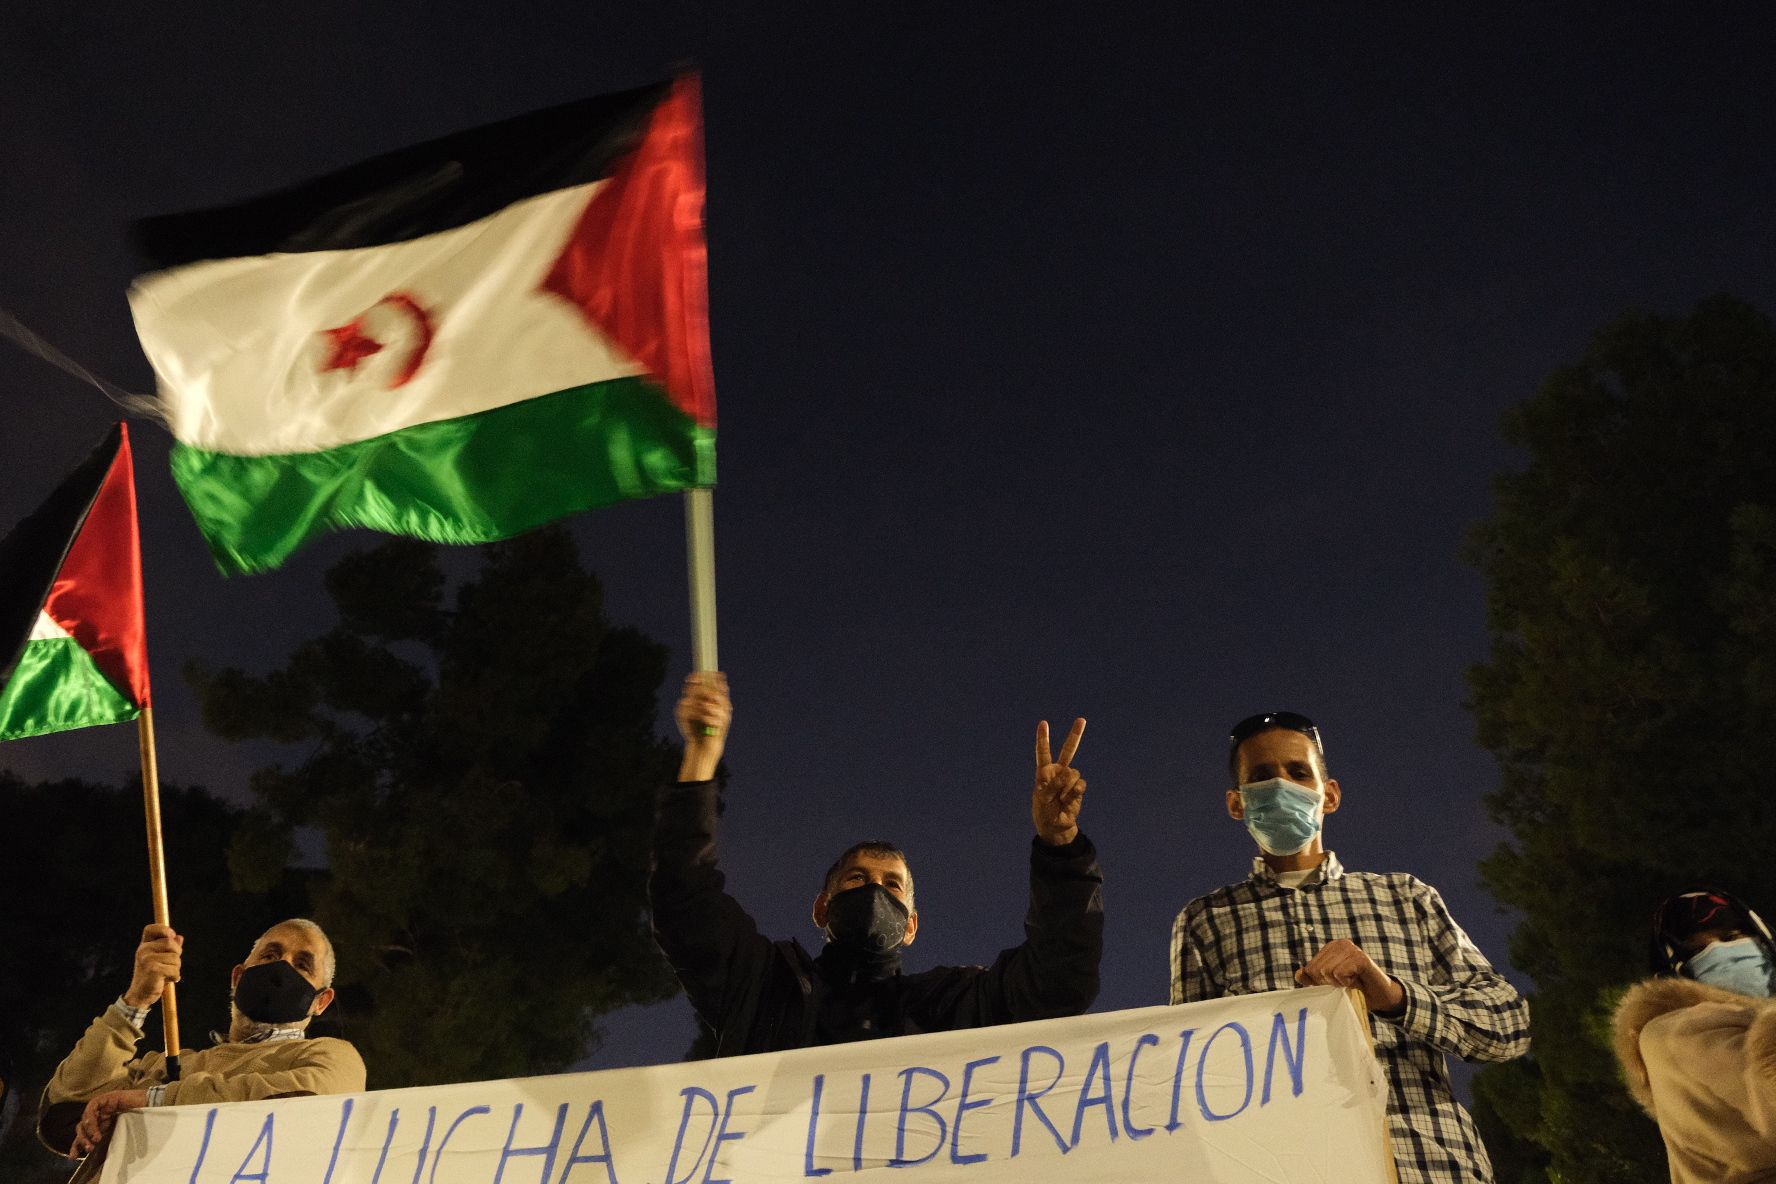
point(866, 919)
point(274, 993)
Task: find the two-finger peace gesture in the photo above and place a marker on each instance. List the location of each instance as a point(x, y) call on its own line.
point(1054, 805)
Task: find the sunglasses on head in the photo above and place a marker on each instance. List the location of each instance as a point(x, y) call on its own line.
point(1684, 916)
point(1292, 721)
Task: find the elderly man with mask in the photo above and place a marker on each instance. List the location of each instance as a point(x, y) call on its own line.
point(285, 982)
point(1697, 1042)
point(759, 995)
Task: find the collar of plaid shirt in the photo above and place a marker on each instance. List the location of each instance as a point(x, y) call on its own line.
point(264, 1034)
point(137, 1018)
point(1330, 869)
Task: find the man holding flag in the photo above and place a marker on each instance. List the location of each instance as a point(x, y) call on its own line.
point(285, 982)
point(74, 636)
point(759, 995)
point(73, 653)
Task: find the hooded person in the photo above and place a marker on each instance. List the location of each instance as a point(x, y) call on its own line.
point(1697, 1042)
point(286, 980)
point(759, 995)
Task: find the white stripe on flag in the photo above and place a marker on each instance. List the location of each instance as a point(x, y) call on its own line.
point(241, 348)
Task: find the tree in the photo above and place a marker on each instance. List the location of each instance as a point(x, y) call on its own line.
point(75, 882)
point(1630, 690)
point(483, 775)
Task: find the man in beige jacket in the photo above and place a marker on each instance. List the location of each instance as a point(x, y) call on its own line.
point(285, 982)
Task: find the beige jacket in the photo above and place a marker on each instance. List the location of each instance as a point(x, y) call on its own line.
point(105, 1059)
point(1702, 1062)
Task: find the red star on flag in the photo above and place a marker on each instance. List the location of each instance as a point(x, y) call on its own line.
point(350, 345)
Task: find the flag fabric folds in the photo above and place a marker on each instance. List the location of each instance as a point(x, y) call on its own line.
point(458, 341)
point(73, 643)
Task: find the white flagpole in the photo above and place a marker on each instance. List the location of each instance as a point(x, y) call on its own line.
point(700, 556)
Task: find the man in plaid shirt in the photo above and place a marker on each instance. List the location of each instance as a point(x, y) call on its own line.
point(1300, 919)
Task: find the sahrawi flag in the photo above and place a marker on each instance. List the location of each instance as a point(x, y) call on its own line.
point(73, 648)
point(458, 341)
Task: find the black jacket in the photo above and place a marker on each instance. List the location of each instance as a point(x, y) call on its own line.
point(761, 995)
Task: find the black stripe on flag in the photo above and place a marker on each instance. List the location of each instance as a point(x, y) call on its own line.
point(415, 191)
point(32, 555)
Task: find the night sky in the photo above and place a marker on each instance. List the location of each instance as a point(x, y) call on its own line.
point(1121, 360)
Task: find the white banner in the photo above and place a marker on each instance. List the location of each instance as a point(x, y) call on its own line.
point(1262, 1088)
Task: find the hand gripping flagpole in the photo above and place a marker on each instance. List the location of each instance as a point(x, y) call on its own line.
point(700, 561)
point(157, 882)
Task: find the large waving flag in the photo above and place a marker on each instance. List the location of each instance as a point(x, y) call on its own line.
point(458, 341)
point(73, 646)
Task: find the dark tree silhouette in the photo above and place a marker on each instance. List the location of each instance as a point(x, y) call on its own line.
point(482, 768)
point(1629, 694)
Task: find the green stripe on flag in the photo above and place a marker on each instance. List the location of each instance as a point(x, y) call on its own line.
point(57, 686)
point(473, 479)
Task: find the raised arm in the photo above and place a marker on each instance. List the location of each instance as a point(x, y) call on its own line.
point(101, 1059)
point(711, 942)
point(1055, 971)
point(1059, 791)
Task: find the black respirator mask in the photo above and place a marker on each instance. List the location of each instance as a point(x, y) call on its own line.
point(274, 993)
point(867, 919)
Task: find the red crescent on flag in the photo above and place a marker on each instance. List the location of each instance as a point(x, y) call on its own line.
point(425, 331)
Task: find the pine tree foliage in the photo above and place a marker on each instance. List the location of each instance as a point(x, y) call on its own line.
point(1629, 693)
point(482, 767)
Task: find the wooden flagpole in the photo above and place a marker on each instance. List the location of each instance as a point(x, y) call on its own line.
point(157, 882)
point(1361, 1003)
point(700, 556)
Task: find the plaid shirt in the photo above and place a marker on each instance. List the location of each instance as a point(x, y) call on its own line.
point(1253, 936)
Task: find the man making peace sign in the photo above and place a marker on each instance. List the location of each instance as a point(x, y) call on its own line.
point(759, 995)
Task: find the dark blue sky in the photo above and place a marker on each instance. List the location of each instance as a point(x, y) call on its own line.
point(1118, 360)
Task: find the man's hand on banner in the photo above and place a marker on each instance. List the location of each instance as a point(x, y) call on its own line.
point(157, 964)
point(704, 713)
point(1344, 964)
point(1060, 790)
point(100, 1116)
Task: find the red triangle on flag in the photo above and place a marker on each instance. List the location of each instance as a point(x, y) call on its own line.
point(637, 264)
point(97, 594)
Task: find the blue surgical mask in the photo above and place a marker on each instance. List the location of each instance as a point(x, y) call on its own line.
point(1740, 966)
point(1282, 816)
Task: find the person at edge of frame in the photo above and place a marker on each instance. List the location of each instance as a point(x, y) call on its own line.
point(285, 982)
point(1697, 1041)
